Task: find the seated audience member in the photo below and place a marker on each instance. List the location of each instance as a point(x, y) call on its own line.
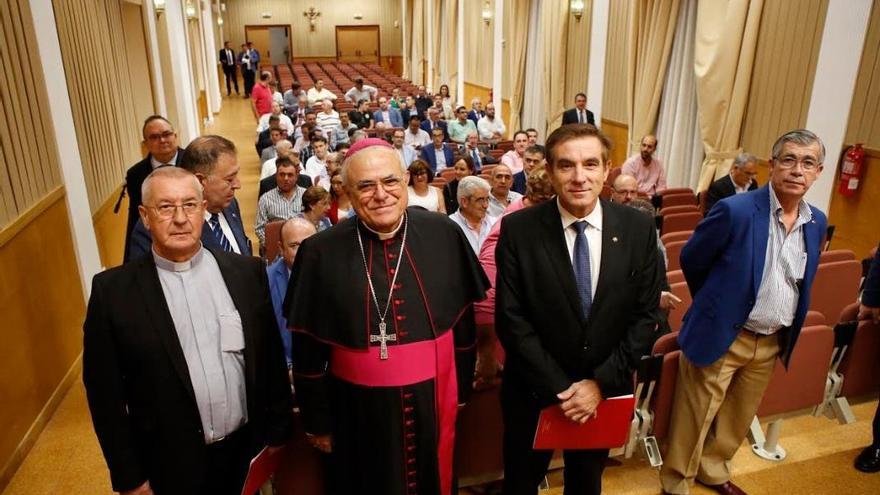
point(464, 167)
point(532, 157)
point(327, 119)
point(406, 111)
point(473, 200)
point(423, 101)
point(868, 460)
point(214, 161)
point(533, 139)
point(461, 127)
point(264, 139)
point(316, 166)
point(293, 233)
point(342, 148)
point(283, 120)
point(438, 105)
point(282, 202)
point(277, 97)
point(319, 93)
point(361, 91)
point(290, 101)
point(276, 134)
point(281, 148)
point(316, 202)
point(538, 190)
point(740, 180)
point(579, 114)
point(407, 153)
point(340, 203)
point(476, 112)
point(438, 156)
point(298, 113)
point(479, 153)
point(340, 133)
point(501, 196)
point(434, 121)
point(261, 95)
point(396, 99)
point(357, 135)
point(421, 192)
point(491, 129)
point(415, 136)
point(271, 182)
point(311, 119)
point(446, 102)
point(625, 189)
point(333, 163)
point(387, 115)
point(514, 158)
point(306, 149)
point(361, 116)
point(647, 169)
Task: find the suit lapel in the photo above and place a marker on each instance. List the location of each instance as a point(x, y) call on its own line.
point(160, 318)
point(557, 252)
point(760, 236)
point(607, 265)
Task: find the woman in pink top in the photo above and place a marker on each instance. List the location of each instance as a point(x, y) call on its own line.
point(489, 354)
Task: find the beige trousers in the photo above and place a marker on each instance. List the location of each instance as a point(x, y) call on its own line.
point(713, 408)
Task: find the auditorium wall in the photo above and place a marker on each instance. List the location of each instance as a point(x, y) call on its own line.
point(782, 78)
point(322, 41)
point(577, 54)
point(864, 113)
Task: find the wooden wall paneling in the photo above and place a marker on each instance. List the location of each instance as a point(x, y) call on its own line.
point(855, 217)
point(614, 97)
point(782, 77)
point(864, 117)
point(110, 230)
point(475, 90)
point(618, 133)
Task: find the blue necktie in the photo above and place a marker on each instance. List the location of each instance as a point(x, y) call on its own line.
point(477, 164)
point(222, 241)
point(581, 264)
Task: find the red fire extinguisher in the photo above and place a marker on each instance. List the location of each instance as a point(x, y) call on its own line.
point(851, 171)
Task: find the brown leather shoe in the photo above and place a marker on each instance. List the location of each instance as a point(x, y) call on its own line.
point(726, 488)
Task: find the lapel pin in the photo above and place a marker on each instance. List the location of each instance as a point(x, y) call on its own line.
point(614, 239)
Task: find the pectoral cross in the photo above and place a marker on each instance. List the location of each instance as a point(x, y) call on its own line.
point(383, 339)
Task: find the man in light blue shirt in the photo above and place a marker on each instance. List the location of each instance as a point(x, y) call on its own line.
point(472, 216)
point(460, 128)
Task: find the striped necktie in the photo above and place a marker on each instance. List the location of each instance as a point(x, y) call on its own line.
point(581, 263)
point(222, 241)
point(477, 163)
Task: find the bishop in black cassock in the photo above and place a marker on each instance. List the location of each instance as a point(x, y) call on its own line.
point(392, 420)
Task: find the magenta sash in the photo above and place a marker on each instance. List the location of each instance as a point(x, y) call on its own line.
point(408, 364)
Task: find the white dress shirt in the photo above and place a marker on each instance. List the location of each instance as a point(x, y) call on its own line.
point(593, 233)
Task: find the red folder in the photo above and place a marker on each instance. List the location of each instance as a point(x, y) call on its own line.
point(262, 466)
point(607, 430)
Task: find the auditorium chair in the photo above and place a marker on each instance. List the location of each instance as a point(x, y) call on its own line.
point(676, 190)
point(681, 290)
point(504, 145)
point(836, 285)
point(679, 199)
point(612, 174)
point(496, 153)
point(800, 387)
point(302, 468)
point(673, 251)
point(833, 255)
point(674, 276)
point(668, 210)
point(606, 193)
point(272, 236)
point(680, 222)
point(448, 173)
point(676, 236)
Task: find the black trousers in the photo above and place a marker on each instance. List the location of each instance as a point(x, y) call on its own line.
point(249, 78)
point(524, 467)
point(231, 78)
point(877, 427)
point(228, 463)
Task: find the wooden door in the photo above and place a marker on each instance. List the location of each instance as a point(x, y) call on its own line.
point(259, 36)
point(357, 44)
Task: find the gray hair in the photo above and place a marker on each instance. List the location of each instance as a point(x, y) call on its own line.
point(471, 184)
point(798, 136)
point(744, 158)
point(358, 135)
point(168, 173)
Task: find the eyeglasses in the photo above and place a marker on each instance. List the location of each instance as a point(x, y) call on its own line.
point(482, 200)
point(169, 210)
point(369, 187)
point(160, 136)
point(790, 161)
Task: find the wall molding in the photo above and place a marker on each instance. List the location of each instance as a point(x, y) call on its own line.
point(32, 213)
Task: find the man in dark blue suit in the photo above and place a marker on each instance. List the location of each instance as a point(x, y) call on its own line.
point(214, 161)
point(434, 121)
point(749, 266)
point(438, 156)
point(293, 233)
point(868, 460)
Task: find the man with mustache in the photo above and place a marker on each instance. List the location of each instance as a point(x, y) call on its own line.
point(749, 266)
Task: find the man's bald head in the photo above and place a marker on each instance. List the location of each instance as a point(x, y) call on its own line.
point(293, 233)
point(626, 188)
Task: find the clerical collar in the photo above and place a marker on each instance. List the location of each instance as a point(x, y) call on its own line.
point(386, 235)
point(178, 266)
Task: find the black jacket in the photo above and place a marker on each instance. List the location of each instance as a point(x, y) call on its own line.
point(134, 179)
point(570, 116)
point(723, 188)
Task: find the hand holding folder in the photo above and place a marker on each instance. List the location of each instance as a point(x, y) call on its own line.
point(606, 430)
point(262, 467)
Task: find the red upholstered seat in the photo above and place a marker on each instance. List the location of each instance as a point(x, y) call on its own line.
point(665, 394)
point(676, 190)
point(803, 385)
point(668, 210)
point(680, 289)
point(836, 286)
point(861, 366)
point(272, 237)
point(666, 344)
point(612, 174)
point(674, 276)
point(673, 251)
point(836, 255)
point(686, 198)
point(676, 236)
point(680, 222)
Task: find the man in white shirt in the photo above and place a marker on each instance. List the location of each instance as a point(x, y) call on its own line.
point(361, 91)
point(471, 216)
point(415, 136)
point(491, 129)
point(501, 195)
point(283, 120)
point(407, 153)
point(318, 93)
point(327, 119)
point(282, 149)
point(316, 165)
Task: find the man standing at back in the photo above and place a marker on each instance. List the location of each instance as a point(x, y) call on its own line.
point(579, 114)
point(646, 168)
point(576, 292)
point(749, 266)
point(161, 143)
point(182, 362)
point(227, 61)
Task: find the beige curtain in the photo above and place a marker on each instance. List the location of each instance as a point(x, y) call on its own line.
point(518, 19)
point(449, 45)
point(652, 29)
point(554, 26)
point(727, 33)
point(438, 42)
point(406, 49)
point(417, 57)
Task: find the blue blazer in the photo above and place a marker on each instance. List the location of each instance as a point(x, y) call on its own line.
point(278, 279)
point(141, 241)
point(393, 116)
point(427, 154)
point(723, 262)
point(426, 126)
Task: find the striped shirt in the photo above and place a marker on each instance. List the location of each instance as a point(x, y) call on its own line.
point(327, 122)
point(784, 266)
point(274, 206)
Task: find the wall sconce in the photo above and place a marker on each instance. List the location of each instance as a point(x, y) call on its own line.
point(190, 10)
point(312, 14)
point(219, 21)
point(159, 6)
point(577, 9)
point(487, 13)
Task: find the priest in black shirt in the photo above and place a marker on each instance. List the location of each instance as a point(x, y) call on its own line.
point(383, 333)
